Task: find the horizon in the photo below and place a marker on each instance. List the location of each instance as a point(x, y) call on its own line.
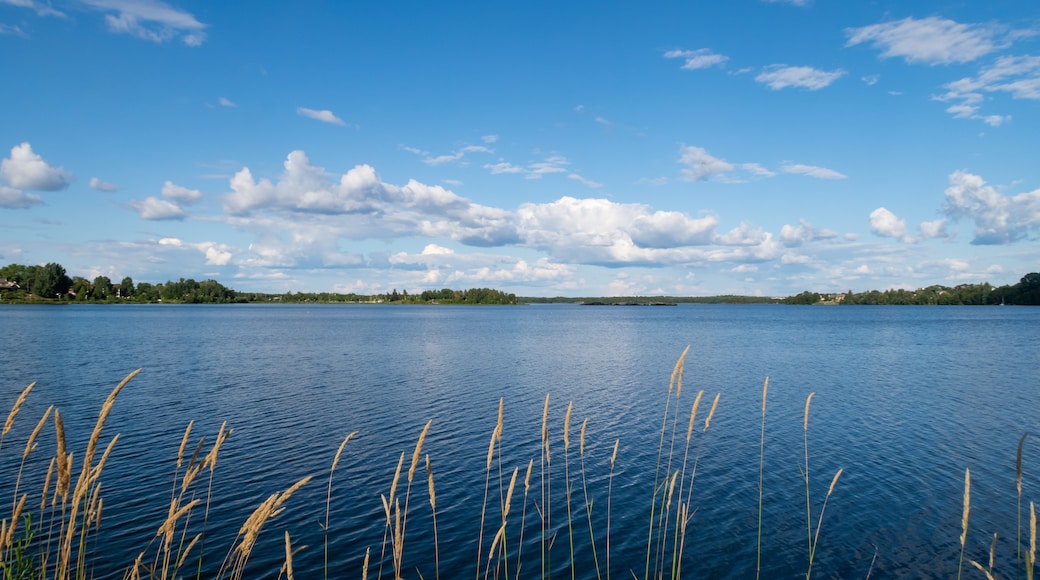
point(758, 148)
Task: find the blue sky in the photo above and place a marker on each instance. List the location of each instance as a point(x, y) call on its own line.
point(541, 148)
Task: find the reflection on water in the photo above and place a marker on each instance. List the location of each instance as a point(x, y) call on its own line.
point(906, 399)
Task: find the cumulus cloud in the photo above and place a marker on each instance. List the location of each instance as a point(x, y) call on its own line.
point(325, 115)
point(812, 171)
point(697, 59)
point(933, 229)
point(100, 185)
point(931, 40)
point(374, 208)
point(301, 217)
point(180, 195)
point(11, 198)
point(150, 20)
point(998, 218)
point(599, 231)
point(153, 208)
point(27, 170)
point(804, 233)
point(886, 224)
point(780, 76)
point(700, 165)
point(216, 254)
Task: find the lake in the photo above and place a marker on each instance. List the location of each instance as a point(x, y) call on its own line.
point(906, 398)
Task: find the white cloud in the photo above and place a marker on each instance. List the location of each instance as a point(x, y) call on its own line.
point(782, 76)
point(934, 229)
point(599, 231)
point(931, 40)
point(885, 224)
point(325, 116)
point(534, 170)
point(999, 219)
point(11, 198)
point(743, 235)
point(366, 207)
point(804, 233)
point(457, 155)
point(40, 8)
point(700, 165)
point(27, 170)
point(812, 171)
point(586, 182)
point(216, 254)
point(225, 102)
point(756, 169)
point(1017, 76)
point(552, 164)
point(181, 195)
point(697, 59)
point(153, 208)
point(489, 139)
point(502, 167)
point(791, 2)
point(12, 30)
point(151, 20)
point(100, 185)
point(434, 249)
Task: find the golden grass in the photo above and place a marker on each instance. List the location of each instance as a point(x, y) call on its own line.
point(61, 543)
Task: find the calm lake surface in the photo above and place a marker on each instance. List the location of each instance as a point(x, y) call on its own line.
point(906, 399)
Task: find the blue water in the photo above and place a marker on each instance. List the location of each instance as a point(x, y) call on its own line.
point(906, 399)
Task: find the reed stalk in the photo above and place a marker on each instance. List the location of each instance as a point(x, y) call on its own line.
point(567, 480)
point(761, 465)
point(1018, 487)
point(610, 486)
point(657, 469)
point(588, 503)
point(819, 524)
point(805, 475)
point(546, 491)
point(1031, 555)
point(964, 519)
point(433, 510)
point(523, 518)
point(487, 487)
point(328, 499)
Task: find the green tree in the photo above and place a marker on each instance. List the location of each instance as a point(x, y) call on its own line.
point(126, 287)
point(102, 288)
point(51, 281)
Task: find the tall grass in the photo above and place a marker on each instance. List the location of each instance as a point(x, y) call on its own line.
point(52, 528)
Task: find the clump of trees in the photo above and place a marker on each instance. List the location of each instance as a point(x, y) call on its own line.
point(50, 283)
point(1026, 292)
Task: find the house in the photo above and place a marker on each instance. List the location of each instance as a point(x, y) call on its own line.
point(6, 284)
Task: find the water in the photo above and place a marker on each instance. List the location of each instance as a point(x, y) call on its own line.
point(906, 399)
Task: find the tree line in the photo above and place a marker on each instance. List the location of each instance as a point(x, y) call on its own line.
point(1025, 292)
point(51, 283)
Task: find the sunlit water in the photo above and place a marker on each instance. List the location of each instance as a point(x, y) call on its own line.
point(906, 399)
